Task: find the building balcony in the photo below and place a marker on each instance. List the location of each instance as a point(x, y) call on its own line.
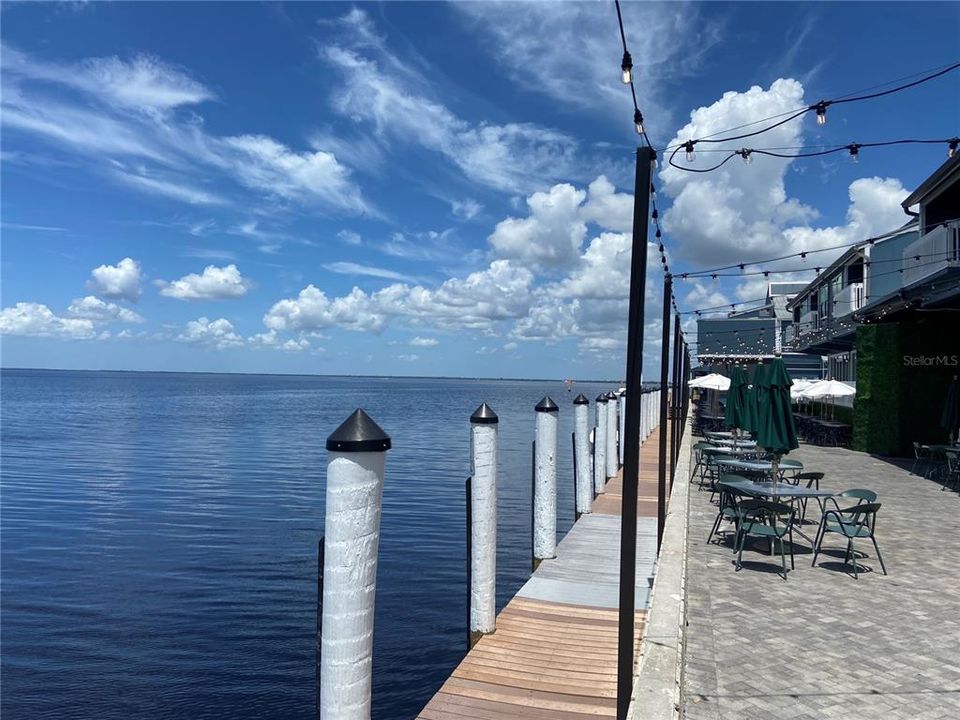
point(936, 250)
point(849, 300)
point(808, 323)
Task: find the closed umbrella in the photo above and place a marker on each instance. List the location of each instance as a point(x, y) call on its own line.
point(775, 430)
point(736, 397)
point(751, 398)
point(950, 420)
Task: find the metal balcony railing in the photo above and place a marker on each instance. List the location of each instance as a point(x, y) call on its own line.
point(932, 252)
point(849, 300)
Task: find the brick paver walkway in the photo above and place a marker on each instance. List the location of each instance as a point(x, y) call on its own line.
point(822, 645)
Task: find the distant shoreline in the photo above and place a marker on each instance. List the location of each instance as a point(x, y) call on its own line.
point(311, 375)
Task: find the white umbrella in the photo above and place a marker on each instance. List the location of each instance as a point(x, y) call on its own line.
point(799, 386)
point(826, 388)
point(713, 381)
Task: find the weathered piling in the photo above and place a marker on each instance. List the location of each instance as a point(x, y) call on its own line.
point(581, 435)
point(600, 445)
point(355, 473)
point(545, 483)
point(613, 425)
point(483, 526)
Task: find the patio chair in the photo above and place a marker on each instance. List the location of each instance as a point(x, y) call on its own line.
point(770, 520)
point(812, 480)
point(921, 457)
point(698, 449)
point(859, 521)
point(952, 473)
point(729, 509)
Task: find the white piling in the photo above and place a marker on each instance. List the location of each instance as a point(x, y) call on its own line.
point(600, 445)
point(483, 530)
point(581, 432)
point(622, 401)
point(613, 455)
point(545, 483)
point(354, 496)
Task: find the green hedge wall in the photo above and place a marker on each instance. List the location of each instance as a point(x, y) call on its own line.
point(876, 408)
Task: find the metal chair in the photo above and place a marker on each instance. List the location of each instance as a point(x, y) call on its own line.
point(770, 520)
point(859, 521)
point(952, 473)
point(812, 480)
point(921, 457)
point(730, 497)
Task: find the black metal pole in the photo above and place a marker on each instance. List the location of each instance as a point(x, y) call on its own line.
point(321, 547)
point(664, 367)
point(631, 454)
point(675, 400)
point(533, 502)
point(685, 394)
point(469, 494)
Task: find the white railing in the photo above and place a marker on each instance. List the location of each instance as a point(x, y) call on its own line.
point(848, 300)
point(936, 250)
point(809, 322)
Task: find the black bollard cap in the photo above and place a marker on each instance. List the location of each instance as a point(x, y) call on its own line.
point(484, 415)
point(611, 396)
point(581, 399)
point(358, 433)
point(602, 397)
point(546, 405)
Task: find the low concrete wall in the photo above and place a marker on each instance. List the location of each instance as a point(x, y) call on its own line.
point(656, 694)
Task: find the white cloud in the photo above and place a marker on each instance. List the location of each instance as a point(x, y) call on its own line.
point(408, 358)
point(215, 283)
point(93, 308)
point(143, 83)
point(117, 281)
point(351, 268)
point(466, 209)
point(272, 339)
point(264, 164)
point(350, 237)
point(174, 189)
point(550, 236)
point(424, 342)
point(567, 51)
point(218, 334)
point(36, 319)
point(608, 208)
point(395, 99)
point(313, 310)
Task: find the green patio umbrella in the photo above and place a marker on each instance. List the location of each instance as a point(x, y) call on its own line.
point(750, 399)
point(736, 397)
point(775, 430)
point(950, 420)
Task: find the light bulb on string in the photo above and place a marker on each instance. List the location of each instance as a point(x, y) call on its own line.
point(638, 122)
point(688, 147)
point(854, 152)
point(952, 147)
point(653, 159)
point(626, 69)
point(747, 156)
point(821, 108)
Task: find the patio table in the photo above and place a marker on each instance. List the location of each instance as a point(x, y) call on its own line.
point(785, 491)
point(761, 466)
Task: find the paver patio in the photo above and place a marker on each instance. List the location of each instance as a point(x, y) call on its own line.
point(821, 644)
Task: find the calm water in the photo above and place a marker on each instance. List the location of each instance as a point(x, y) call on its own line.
point(159, 536)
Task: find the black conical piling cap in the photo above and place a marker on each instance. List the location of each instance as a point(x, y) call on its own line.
point(484, 415)
point(358, 433)
point(546, 405)
point(581, 399)
point(611, 396)
point(602, 397)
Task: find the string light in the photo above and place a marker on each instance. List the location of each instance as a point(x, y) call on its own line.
point(691, 155)
point(626, 69)
point(821, 108)
point(952, 147)
point(638, 121)
point(747, 156)
point(854, 153)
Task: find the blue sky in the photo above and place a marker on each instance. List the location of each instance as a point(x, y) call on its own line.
point(422, 188)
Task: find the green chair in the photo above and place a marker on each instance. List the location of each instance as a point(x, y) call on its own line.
point(729, 510)
point(859, 521)
point(921, 458)
point(812, 480)
point(770, 520)
point(698, 449)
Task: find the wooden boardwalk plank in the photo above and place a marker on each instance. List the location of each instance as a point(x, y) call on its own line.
point(554, 654)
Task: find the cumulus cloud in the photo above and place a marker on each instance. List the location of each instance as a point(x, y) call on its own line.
point(466, 209)
point(117, 281)
point(424, 342)
point(218, 334)
point(478, 301)
point(550, 235)
point(408, 358)
point(215, 283)
point(36, 319)
point(272, 339)
point(350, 237)
point(93, 308)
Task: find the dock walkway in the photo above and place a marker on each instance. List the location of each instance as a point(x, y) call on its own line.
point(554, 654)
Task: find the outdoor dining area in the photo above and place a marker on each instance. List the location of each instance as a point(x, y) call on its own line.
point(765, 499)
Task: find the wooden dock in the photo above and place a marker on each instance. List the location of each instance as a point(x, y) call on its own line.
point(554, 654)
